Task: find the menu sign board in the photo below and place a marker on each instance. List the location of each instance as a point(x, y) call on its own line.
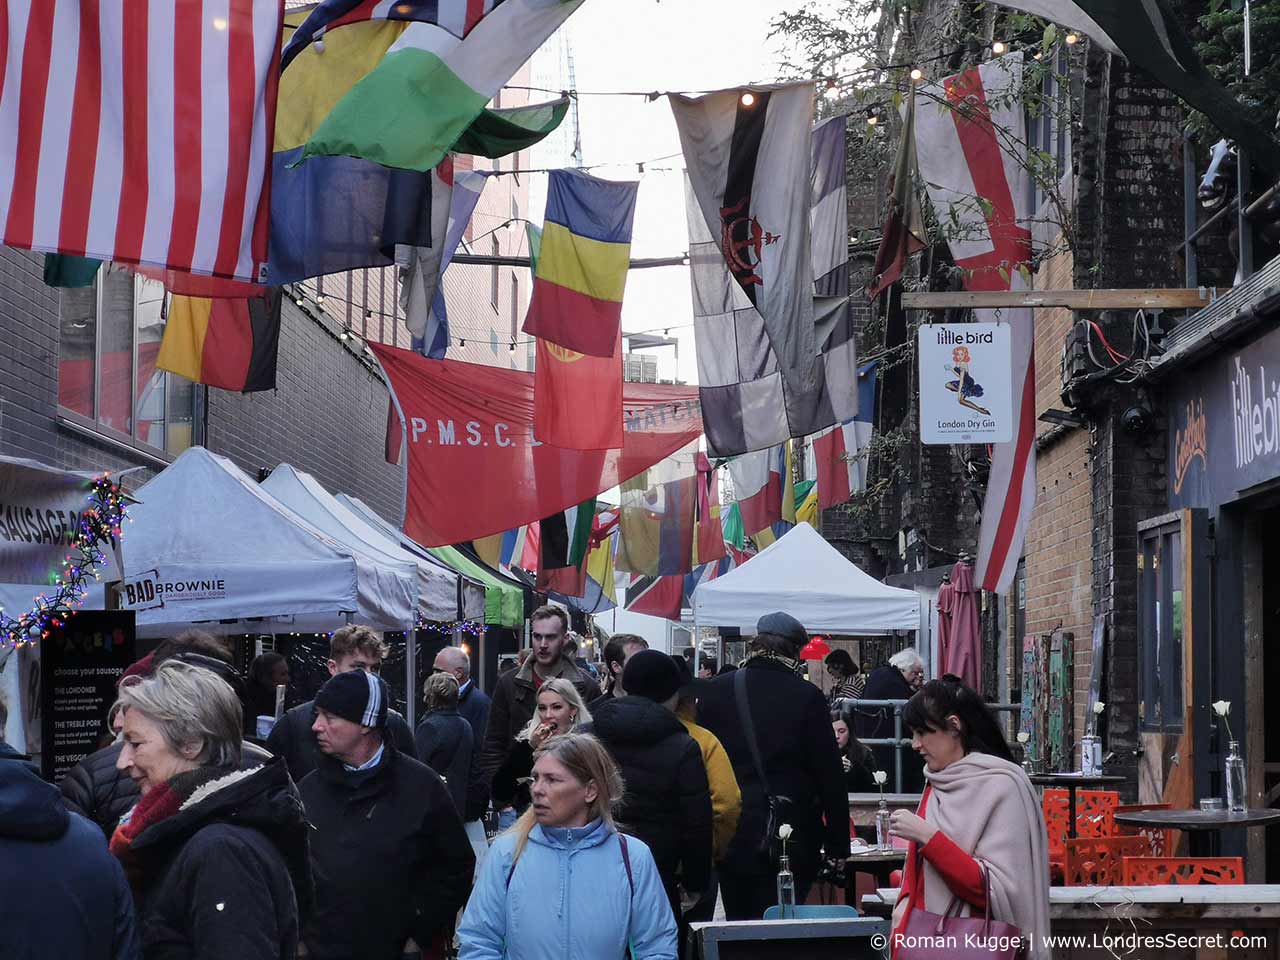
point(81, 662)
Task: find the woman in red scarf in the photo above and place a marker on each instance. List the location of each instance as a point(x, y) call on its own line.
point(216, 855)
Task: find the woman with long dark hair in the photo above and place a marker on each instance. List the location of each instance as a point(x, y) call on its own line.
point(979, 834)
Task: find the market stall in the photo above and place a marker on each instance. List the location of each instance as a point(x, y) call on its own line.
point(219, 551)
point(438, 595)
point(802, 574)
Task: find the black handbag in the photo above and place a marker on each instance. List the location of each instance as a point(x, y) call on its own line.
point(769, 846)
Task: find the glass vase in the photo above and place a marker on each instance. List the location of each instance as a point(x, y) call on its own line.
point(1237, 792)
point(786, 889)
point(882, 825)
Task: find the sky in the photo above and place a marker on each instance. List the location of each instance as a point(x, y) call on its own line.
point(663, 45)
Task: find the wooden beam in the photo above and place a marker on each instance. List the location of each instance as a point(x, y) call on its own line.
point(1175, 298)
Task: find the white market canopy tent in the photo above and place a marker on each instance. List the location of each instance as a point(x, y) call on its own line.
point(436, 587)
point(225, 550)
point(803, 575)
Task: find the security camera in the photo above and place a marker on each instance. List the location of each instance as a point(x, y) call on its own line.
point(1137, 418)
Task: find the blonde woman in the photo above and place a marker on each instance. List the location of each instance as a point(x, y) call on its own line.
point(564, 883)
point(559, 710)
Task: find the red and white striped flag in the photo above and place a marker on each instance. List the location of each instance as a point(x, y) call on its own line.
point(140, 132)
point(963, 147)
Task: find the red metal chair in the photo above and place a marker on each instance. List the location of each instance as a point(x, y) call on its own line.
point(1146, 871)
point(1055, 803)
point(1096, 861)
point(1095, 812)
point(1160, 838)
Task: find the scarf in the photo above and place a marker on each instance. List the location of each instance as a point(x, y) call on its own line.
point(988, 807)
point(792, 664)
point(157, 805)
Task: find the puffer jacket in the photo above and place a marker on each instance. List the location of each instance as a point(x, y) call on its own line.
point(667, 802)
point(64, 894)
point(726, 798)
point(96, 790)
point(228, 875)
point(568, 898)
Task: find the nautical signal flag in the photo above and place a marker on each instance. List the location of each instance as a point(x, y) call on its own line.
point(577, 399)
point(223, 343)
point(582, 265)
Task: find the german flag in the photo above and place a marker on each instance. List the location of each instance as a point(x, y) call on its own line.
point(227, 343)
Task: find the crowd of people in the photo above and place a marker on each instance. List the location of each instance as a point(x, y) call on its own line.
point(625, 814)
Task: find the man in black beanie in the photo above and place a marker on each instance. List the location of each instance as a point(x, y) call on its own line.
point(389, 853)
point(788, 716)
point(667, 803)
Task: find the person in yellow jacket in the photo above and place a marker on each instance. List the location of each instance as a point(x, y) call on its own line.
point(726, 798)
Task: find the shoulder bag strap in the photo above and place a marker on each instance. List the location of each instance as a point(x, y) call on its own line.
point(626, 862)
point(749, 727)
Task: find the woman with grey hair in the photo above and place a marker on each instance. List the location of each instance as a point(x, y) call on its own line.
point(444, 738)
point(216, 855)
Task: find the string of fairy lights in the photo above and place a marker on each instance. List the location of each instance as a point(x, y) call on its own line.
point(100, 523)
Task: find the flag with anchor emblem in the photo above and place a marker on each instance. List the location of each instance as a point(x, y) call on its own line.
point(747, 402)
point(747, 152)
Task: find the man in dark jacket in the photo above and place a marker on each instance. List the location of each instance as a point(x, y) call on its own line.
point(473, 706)
point(515, 696)
point(64, 894)
point(667, 802)
point(896, 680)
point(390, 856)
point(801, 763)
point(444, 738)
point(350, 648)
point(100, 792)
point(620, 648)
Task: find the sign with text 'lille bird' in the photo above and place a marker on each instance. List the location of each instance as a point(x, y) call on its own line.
point(966, 388)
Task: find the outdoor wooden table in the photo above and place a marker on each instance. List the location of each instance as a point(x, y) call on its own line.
point(1204, 825)
point(1072, 780)
point(879, 863)
point(863, 806)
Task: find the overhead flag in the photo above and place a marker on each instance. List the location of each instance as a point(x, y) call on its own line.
point(582, 262)
point(64, 270)
point(656, 517)
point(446, 60)
point(1151, 37)
point(961, 156)
point(748, 157)
point(763, 486)
point(422, 268)
point(708, 542)
point(746, 403)
point(502, 549)
point(656, 596)
point(839, 463)
point(502, 131)
point(224, 343)
point(807, 503)
point(476, 422)
point(904, 232)
point(566, 536)
point(107, 151)
point(578, 400)
point(589, 587)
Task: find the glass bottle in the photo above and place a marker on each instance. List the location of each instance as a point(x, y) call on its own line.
point(786, 889)
point(1237, 793)
point(882, 825)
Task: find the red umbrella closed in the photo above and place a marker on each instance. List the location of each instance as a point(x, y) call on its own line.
point(962, 653)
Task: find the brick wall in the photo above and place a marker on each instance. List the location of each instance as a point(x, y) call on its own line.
point(327, 415)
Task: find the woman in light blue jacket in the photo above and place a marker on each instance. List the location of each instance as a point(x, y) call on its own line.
point(563, 883)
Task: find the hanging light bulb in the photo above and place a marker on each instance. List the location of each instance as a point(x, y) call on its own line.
point(320, 299)
point(916, 74)
point(748, 98)
point(1073, 38)
point(998, 47)
point(462, 341)
point(298, 301)
point(512, 348)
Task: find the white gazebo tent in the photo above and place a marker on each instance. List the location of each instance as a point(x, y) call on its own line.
point(803, 575)
point(225, 552)
point(437, 586)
